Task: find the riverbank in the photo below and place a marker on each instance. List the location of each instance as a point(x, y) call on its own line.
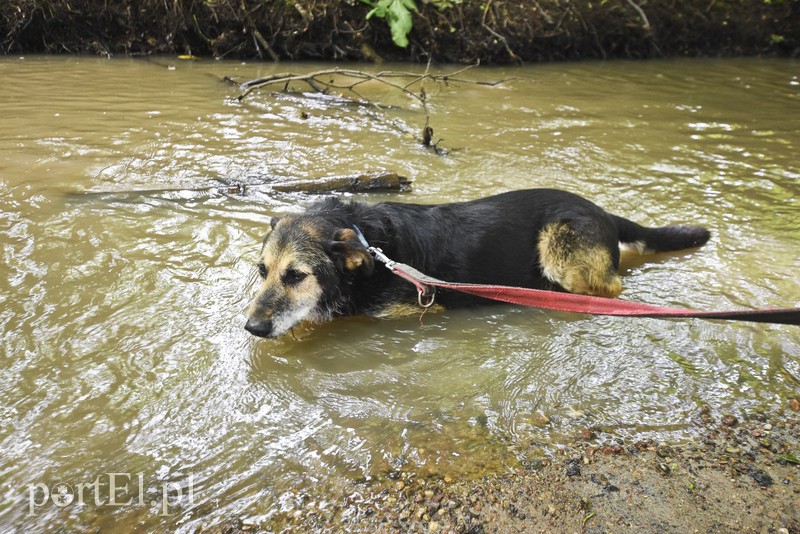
point(735, 476)
point(445, 31)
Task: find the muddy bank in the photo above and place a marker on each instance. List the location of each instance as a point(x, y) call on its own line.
point(734, 476)
point(441, 30)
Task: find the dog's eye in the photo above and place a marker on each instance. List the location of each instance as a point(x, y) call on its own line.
point(292, 277)
point(262, 270)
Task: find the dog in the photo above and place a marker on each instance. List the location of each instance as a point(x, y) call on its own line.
point(314, 267)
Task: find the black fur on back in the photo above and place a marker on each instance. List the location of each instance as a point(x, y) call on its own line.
point(487, 241)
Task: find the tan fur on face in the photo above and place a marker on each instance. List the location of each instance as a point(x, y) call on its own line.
point(286, 304)
point(577, 267)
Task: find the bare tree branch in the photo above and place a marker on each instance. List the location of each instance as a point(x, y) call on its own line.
point(348, 79)
point(347, 83)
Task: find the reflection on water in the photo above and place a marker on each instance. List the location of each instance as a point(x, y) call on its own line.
point(122, 344)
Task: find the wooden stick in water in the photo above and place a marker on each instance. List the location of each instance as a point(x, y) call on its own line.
point(362, 183)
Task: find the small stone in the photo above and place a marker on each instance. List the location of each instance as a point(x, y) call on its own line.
point(428, 494)
point(573, 468)
point(420, 512)
point(433, 526)
point(535, 465)
point(665, 451)
point(540, 419)
point(448, 479)
point(762, 478)
point(400, 485)
point(794, 404)
point(729, 420)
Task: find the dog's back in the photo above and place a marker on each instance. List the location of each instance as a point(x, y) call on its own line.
point(540, 238)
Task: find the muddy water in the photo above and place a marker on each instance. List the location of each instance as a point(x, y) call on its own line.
point(131, 395)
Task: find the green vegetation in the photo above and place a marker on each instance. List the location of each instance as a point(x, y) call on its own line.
point(397, 14)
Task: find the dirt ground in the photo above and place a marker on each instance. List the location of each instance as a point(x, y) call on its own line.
point(737, 476)
point(443, 31)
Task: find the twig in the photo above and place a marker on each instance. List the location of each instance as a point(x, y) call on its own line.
point(544, 14)
point(257, 35)
point(640, 11)
point(510, 52)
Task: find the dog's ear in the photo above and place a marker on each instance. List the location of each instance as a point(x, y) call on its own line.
point(349, 255)
point(272, 223)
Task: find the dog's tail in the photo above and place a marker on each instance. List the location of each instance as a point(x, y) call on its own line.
point(648, 240)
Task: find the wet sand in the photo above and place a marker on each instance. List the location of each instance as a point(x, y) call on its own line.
point(736, 476)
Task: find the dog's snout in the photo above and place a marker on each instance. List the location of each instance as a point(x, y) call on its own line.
point(259, 327)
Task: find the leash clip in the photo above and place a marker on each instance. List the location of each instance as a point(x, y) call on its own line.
point(381, 257)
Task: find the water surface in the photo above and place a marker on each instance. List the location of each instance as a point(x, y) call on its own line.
point(122, 342)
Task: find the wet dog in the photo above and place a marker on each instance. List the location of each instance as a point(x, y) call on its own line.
point(313, 266)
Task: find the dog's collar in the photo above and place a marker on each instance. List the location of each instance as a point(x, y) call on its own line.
point(375, 251)
point(361, 237)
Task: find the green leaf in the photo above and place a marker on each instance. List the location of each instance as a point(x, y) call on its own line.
point(397, 14)
point(378, 8)
point(399, 19)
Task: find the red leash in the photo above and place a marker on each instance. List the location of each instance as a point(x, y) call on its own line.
point(570, 302)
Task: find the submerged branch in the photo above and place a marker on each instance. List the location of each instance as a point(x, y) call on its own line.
point(323, 81)
point(345, 81)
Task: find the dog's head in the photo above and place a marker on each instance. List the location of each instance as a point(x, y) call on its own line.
point(306, 267)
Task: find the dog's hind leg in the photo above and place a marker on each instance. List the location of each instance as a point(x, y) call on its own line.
point(578, 260)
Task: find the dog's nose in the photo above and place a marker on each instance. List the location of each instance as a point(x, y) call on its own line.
point(259, 327)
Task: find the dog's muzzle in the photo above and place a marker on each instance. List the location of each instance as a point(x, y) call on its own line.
point(259, 327)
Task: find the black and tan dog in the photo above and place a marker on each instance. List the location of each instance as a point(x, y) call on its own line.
point(314, 267)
